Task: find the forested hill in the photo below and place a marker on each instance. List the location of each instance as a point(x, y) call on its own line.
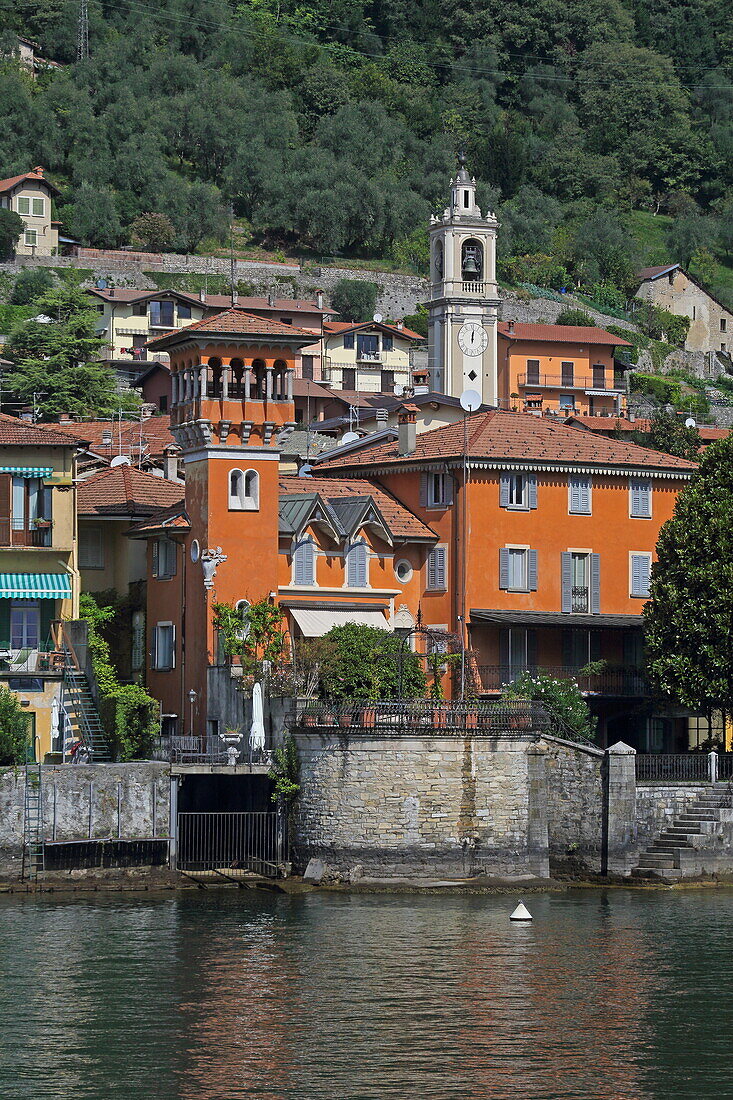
point(602, 131)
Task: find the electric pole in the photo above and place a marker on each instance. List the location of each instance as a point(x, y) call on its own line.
point(82, 34)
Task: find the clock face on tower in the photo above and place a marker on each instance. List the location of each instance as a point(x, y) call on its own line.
point(472, 339)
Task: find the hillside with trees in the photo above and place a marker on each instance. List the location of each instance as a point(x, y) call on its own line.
point(602, 133)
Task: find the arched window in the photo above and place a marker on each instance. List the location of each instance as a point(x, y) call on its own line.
point(304, 562)
point(472, 260)
point(244, 491)
point(357, 565)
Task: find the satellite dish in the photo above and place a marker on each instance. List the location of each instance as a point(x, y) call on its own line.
point(470, 400)
point(377, 317)
point(101, 284)
point(305, 470)
point(398, 390)
point(350, 437)
point(120, 460)
point(690, 422)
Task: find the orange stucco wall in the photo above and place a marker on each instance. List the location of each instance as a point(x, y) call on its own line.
point(513, 355)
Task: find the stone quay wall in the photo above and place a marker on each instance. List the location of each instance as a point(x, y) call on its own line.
point(87, 802)
point(658, 804)
point(443, 805)
point(575, 799)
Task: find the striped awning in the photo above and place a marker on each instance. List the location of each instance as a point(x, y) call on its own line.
point(27, 471)
point(35, 586)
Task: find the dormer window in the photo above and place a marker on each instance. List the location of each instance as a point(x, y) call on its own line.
point(244, 491)
point(357, 565)
point(304, 563)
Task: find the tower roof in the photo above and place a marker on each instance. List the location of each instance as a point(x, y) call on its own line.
point(233, 322)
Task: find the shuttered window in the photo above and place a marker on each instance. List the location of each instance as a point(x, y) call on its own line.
point(517, 569)
point(356, 565)
point(437, 569)
point(581, 583)
point(641, 569)
point(164, 559)
point(641, 498)
point(579, 496)
point(438, 490)
point(164, 647)
point(304, 562)
point(518, 491)
point(91, 549)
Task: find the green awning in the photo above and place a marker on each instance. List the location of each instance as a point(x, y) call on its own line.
point(35, 586)
point(27, 471)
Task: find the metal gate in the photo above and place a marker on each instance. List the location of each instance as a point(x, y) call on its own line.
point(233, 841)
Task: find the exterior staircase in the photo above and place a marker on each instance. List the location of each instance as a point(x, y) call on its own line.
point(33, 857)
point(86, 725)
point(667, 856)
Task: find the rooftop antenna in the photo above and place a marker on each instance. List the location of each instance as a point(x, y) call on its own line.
point(82, 34)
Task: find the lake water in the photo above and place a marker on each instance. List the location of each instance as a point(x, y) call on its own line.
point(217, 995)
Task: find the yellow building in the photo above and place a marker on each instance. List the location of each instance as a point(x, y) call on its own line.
point(370, 358)
point(30, 195)
point(39, 575)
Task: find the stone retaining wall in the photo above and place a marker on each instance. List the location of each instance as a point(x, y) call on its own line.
point(440, 805)
point(87, 801)
point(658, 804)
point(574, 804)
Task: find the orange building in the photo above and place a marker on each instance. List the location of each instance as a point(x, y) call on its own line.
point(559, 369)
point(545, 539)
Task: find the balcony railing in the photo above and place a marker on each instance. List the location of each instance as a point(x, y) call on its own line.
point(566, 382)
point(18, 532)
point(205, 750)
point(369, 357)
point(479, 290)
point(618, 680)
point(516, 718)
point(580, 599)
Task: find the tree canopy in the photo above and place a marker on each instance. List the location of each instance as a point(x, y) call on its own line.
point(689, 618)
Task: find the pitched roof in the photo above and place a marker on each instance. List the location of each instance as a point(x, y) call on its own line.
point(655, 272)
point(129, 437)
point(357, 326)
point(282, 305)
point(402, 523)
point(36, 175)
point(498, 437)
point(235, 322)
point(560, 334)
point(15, 432)
point(305, 387)
point(167, 519)
point(123, 490)
point(707, 433)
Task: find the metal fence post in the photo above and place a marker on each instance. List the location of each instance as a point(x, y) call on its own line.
point(713, 758)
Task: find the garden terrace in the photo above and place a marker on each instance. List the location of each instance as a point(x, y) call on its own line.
point(518, 718)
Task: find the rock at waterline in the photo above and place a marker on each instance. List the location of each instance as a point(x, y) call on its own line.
point(315, 871)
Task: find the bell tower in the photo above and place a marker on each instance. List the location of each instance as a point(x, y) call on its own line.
point(464, 300)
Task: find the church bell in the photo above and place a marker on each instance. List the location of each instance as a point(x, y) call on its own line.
point(470, 267)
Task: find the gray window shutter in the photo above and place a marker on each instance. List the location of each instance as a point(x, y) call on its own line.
point(532, 571)
point(298, 554)
point(595, 584)
point(441, 567)
point(504, 654)
point(172, 558)
point(574, 495)
point(504, 490)
point(363, 566)
point(356, 570)
point(641, 498)
point(448, 488)
point(567, 581)
point(532, 650)
point(431, 569)
point(532, 490)
point(635, 574)
point(156, 558)
point(424, 490)
point(173, 647)
point(154, 648)
point(585, 495)
point(503, 568)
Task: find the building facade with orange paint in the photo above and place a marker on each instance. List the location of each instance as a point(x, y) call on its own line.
point(563, 370)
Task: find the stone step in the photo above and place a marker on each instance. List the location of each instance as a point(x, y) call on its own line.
point(656, 861)
point(663, 845)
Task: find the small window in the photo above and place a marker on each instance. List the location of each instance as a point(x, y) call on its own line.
point(357, 565)
point(38, 208)
point(640, 569)
point(349, 340)
point(304, 563)
point(640, 499)
point(91, 548)
point(164, 647)
point(386, 343)
point(139, 309)
point(244, 491)
point(403, 571)
point(533, 372)
point(466, 199)
point(286, 320)
point(568, 373)
point(440, 493)
point(24, 205)
point(437, 569)
point(307, 367)
point(348, 378)
point(723, 324)
point(184, 312)
point(566, 403)
point(579, 494)
point(164, 559)
point(31, 238)
point(163, 402)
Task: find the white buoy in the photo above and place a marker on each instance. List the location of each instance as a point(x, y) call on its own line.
point(521, 913)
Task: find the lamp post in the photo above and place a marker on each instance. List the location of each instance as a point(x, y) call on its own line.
point(192, 697)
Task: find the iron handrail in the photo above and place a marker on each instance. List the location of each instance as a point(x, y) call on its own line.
point(511, 717)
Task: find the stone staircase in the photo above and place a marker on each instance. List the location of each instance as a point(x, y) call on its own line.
point(678, 849)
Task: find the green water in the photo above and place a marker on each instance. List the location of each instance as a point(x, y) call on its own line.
point(618, 995)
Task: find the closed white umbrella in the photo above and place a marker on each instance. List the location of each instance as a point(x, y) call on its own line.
point(55, 710)
point(257, 729)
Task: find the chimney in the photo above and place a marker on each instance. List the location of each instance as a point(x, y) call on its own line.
point(400, 325)
point(235, 296)
point(64, 418)
point(511, 328)
point(111, 292)
point(202, 295)
point(270, 299)
point(170, 462)
point(319, 299)
point(381, 419)
point(407, 430)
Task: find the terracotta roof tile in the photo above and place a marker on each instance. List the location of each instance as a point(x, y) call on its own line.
point(123, 490)
point(174, 518)
point(235, 321)
point(36, 175)
point(401, 521)
point(127, 436)
point(516, 437)
point(15, 432)
point(561, 334)
point(655, 272)
point(355, 326)
point(707, 433)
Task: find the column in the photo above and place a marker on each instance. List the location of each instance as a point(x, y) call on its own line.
point(247, 380)
point(203, 378)
point(269, 377)
point(174, 388)
point(188, 395)
point(225, 372)
point(619, 847)
point(291, 375)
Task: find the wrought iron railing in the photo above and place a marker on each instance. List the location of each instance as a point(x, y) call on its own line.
point(20, 532)
point(568, 381)
point(608, 681)
point(673, 766)
point(725, 765)
point(580, 599)
point(518, 718)
point(205, 750)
